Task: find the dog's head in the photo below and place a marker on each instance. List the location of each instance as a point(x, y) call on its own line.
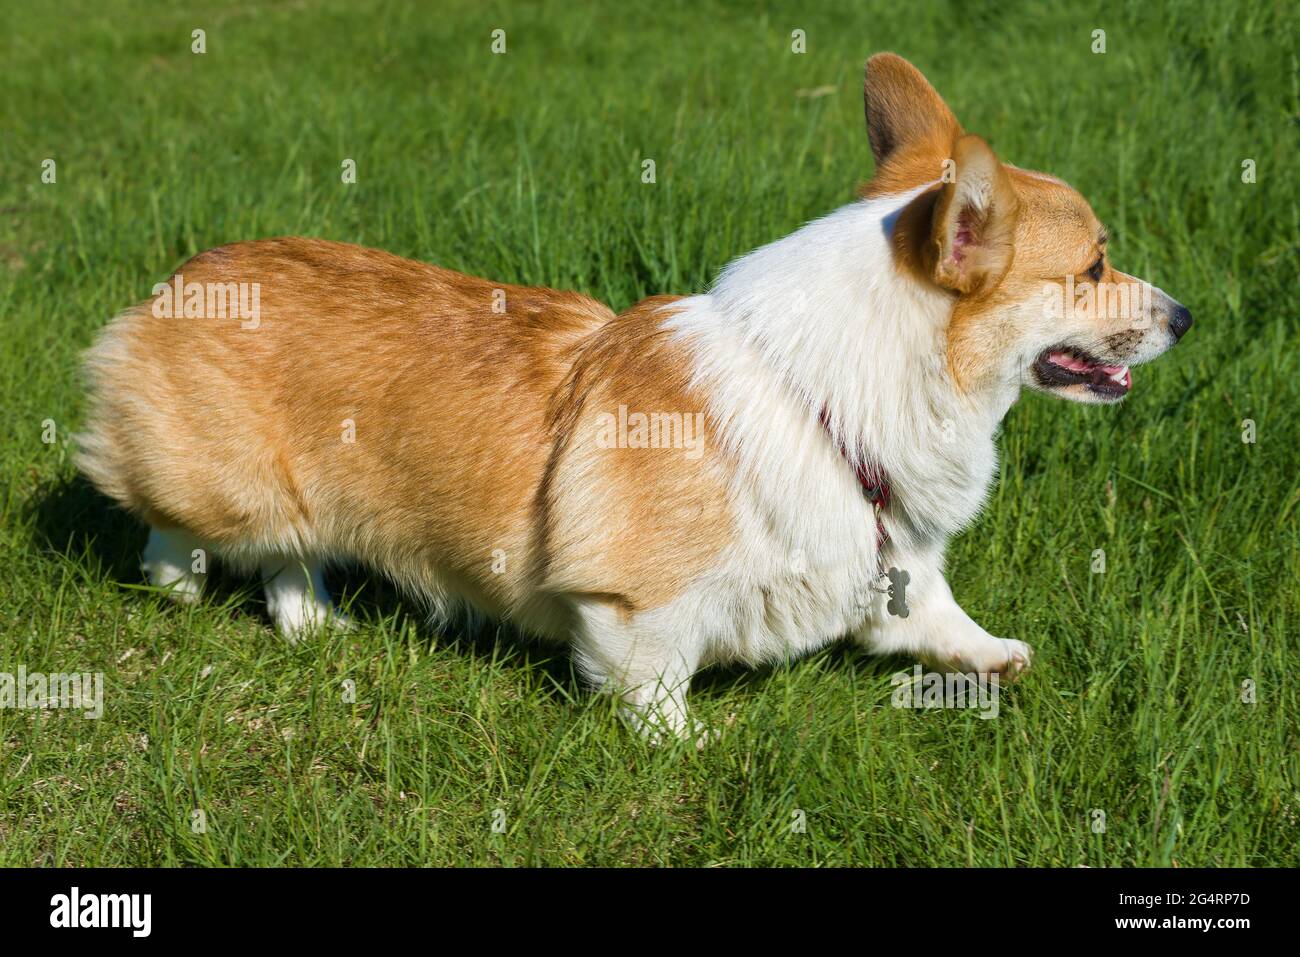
point(1035, 297)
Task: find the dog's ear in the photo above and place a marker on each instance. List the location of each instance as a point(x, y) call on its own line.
point(905, 115)
point(974, 224)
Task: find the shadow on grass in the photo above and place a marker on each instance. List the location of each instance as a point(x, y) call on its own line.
point(842, 656)
point(72, 520)
point(370, 597)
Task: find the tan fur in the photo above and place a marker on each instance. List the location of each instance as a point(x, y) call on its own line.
point(1045, 229)
point(912, 131)
point(237, 434)
point(1056, 235)
point(638, 522)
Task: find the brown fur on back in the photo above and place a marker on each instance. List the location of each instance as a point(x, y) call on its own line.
point(678, 503)
point(470, 426)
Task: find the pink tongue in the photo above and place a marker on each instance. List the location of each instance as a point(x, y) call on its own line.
point(1067, 361)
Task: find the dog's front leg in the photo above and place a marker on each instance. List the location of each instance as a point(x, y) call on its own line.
point(918, 616)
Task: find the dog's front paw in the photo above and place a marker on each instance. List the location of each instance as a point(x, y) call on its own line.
point(1018, 657)
point(985, 654)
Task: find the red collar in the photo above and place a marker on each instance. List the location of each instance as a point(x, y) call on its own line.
point(872, 478)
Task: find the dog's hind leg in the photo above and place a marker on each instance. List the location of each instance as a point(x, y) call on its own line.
point(296, 596)
point(646, 664)
point(177, 561)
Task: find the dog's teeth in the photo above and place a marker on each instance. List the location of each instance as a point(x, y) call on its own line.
point(1120, 374)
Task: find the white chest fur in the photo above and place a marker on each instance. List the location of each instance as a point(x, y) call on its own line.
point(823, 321)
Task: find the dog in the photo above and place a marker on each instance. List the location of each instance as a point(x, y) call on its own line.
point(737, 476)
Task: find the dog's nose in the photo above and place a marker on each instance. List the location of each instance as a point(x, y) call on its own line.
point(1180, 322)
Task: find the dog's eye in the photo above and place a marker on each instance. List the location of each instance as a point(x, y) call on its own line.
point(1097, 268)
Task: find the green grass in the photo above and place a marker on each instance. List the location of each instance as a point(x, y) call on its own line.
point(526, 168)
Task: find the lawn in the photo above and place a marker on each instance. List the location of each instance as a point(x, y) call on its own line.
point(1163, 694)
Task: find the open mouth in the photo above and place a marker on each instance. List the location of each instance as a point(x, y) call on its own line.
point(1061, 367)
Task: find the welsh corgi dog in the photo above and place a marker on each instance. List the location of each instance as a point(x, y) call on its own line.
point(743, 475)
